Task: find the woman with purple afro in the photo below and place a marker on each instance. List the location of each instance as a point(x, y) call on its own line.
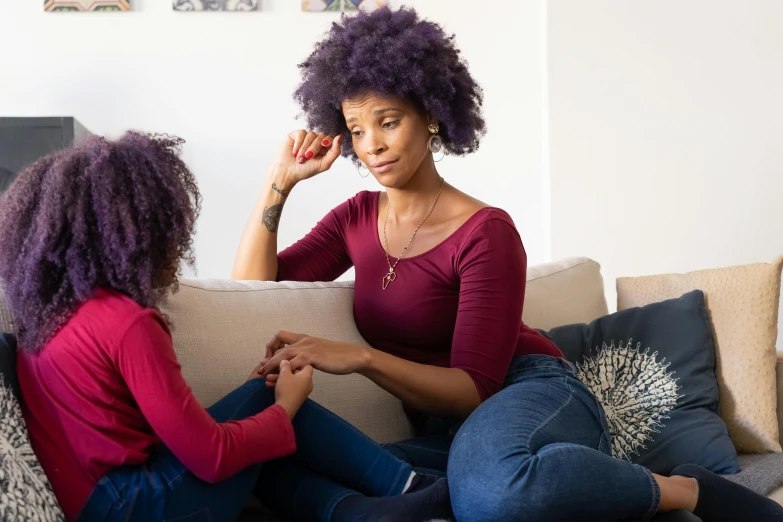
point(439, 290)
point(92, 238)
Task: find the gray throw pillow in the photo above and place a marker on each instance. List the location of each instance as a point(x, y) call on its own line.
point(653, 371)
point(25, 492)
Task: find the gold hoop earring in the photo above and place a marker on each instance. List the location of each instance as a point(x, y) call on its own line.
point(359, 169)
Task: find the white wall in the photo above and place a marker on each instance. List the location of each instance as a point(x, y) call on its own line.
point(223, 81)
point(666, 133)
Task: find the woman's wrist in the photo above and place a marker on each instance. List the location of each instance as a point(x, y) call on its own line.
point(369, 360)
point(280, 181)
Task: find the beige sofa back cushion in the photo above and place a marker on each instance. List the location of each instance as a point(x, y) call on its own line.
point(566, 292)
point(220, 329)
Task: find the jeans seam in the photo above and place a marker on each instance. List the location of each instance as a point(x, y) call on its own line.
point(552, 416)
point(606, 432)
point(656, 494)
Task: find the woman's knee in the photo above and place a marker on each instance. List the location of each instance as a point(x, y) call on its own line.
point(491, 481)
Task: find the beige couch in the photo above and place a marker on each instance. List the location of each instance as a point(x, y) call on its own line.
point(220, 328)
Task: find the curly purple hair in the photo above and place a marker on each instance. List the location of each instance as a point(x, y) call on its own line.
point(102, 214)
point(392, 53)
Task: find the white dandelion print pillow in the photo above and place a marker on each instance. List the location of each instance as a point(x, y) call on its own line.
point(25, 492)
point(652, 369)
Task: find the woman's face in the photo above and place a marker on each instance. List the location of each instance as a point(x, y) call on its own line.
point(389, 135)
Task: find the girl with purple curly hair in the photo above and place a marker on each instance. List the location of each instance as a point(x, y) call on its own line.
point(439, 291)
point(92, 238)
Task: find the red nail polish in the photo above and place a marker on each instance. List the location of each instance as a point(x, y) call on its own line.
point(296, 153)
point(325, 143)
point(301, 159)
point(309, 154)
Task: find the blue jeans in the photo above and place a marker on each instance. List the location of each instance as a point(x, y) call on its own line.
point(333, 461)
point(538, 451)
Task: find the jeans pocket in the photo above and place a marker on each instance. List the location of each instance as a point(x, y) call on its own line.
point(202, 515)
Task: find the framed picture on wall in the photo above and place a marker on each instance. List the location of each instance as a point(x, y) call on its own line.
point(86, 5)
point(215, 5)
point(321, 6)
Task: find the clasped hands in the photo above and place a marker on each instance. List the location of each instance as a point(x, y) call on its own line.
point(303, 350)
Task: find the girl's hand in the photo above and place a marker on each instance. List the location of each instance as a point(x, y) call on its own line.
point(293, 387)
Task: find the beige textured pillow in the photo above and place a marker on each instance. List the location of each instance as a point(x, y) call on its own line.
point(743, 305)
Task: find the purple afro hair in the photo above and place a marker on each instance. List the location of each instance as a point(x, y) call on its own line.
point(102, 214)
point(392, 53)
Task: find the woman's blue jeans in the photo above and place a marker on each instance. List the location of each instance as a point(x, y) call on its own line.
point(537, 451)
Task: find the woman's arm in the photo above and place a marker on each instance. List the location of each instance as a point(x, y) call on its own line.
point(446, 392)
point(302, 156)
point(443, 392)
point(257, 254)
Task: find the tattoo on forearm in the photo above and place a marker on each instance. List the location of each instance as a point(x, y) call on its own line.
point(271, 217)
point(279, 190)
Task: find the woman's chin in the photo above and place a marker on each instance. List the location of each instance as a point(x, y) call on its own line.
point(391, 180)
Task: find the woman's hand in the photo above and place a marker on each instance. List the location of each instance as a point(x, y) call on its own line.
point(301, 350)
point(306, 154)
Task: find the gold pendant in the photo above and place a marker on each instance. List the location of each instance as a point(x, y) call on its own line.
point(388, 278)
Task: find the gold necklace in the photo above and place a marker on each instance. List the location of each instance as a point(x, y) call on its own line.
point(392, 275)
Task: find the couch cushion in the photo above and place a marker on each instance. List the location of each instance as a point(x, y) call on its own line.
point(743, 304)
point(25, 492)
point(653, 371)
point(566, 292)
point(220, 329)
point(762, 473)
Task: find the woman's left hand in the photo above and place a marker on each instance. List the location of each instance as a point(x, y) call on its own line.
point(328, 356)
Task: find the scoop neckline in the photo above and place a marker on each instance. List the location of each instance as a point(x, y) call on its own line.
point(376, 222)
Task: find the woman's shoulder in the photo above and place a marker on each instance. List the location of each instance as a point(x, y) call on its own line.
point(488, 215)
point(477, 216)
point(364, 200)
point(361, 206)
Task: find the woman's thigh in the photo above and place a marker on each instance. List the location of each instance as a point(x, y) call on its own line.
point(527, 416)
point(540, 450)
